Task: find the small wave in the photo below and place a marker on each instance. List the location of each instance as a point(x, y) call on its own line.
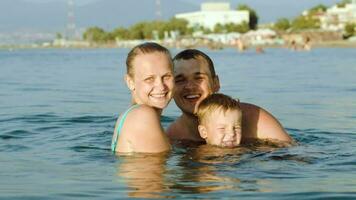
point(318, 195)
point(352, 117)
point(8, 137)
point(320, 137)
point(16, 134)
point(13, 148)
point(36, 89)
point(351, 90)
point(90, 119)
point(345, 165)
point(83, 148)
point(47, 128)
point(290, 157)
point(50, 117)
point(37, 118)
point(78, 101)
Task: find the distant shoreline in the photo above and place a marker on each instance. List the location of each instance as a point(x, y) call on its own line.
point(326, 44)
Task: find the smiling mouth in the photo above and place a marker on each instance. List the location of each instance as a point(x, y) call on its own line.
point(192, 97)
point(159, 96)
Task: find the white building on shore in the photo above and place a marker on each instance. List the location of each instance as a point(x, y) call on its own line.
point(337, 17)
point(213, 13)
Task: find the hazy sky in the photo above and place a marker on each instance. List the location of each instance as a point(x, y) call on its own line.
point(79, 2)
point(291, 2)
point(114, 13)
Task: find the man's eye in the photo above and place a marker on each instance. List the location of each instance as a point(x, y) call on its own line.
point(179, 80)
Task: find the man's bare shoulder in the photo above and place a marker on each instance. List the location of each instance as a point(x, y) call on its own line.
point(258, 123)
point(180, 130)
point(249, 108)
point(173, 131)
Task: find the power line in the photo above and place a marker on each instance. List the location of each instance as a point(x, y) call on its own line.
point(158, 9)
point(70, 31)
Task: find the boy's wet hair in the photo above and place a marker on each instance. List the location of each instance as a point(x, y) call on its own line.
point(196, 54)
point(145, 48)
point(215, 102)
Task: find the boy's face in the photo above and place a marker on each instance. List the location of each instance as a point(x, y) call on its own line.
point(222, 129)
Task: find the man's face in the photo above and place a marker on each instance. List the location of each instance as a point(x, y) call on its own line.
point(194, 83)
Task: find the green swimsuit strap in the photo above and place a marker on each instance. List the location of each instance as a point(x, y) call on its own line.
point(113, 145)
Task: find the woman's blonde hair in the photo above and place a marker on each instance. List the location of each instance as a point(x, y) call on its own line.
point(144, 48)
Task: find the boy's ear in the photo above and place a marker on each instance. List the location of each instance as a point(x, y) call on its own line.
point(216, 83)
point(129, 82)
point(202, 131)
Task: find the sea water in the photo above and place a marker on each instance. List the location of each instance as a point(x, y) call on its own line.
point(58, 108)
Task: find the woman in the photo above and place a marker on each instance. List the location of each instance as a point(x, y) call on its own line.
point(150, 80)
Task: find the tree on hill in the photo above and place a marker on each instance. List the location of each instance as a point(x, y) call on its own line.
point(95, 34)
point(253, 17)
point(121, 33)
point(310, 20)
point(231, 27)
point(350, 30)
point(305, 22)
point(317, 9)
point(141, 30)
point(343, 3)
point(282, 24)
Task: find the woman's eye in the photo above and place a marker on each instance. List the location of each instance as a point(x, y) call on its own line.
point(149, 79)
point(167, 77)
point(237, 128)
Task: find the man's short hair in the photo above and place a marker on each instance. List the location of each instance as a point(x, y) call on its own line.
point(214, 102)
point(196, 54)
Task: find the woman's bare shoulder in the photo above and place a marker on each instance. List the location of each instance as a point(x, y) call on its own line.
point(143, 125)
point(142, 119)
point(144, 112)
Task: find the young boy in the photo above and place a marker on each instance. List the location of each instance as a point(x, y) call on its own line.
point(220, 119)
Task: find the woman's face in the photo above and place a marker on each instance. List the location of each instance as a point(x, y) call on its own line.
point(152, 82)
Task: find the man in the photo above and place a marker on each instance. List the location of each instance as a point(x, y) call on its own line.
point(195, 79)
